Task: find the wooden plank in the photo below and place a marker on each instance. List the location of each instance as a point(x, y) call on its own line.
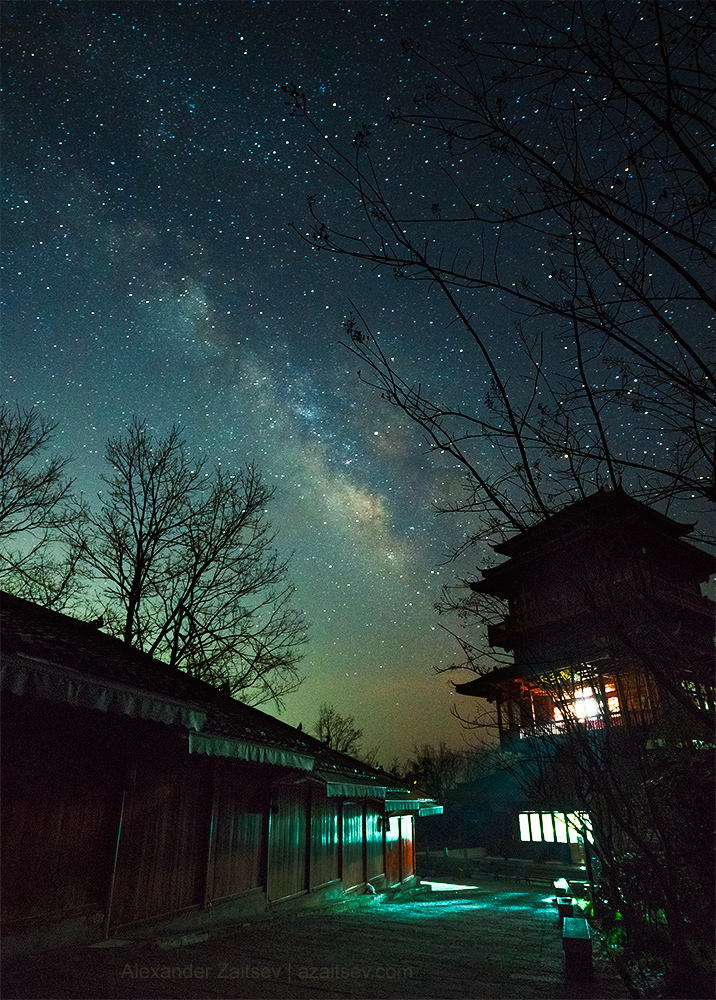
point(392, 850)
point(242, 797)
point(407, 848)
point(352, 868)
point(162, 853)
point(374, 858)
point(288, 846)
point(60, 804)
point(325, 838)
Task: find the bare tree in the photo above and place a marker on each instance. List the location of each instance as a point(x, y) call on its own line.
point(576, 195)
point(337, 731)
point(34, 509)
point(609, 711)
point(186, 563)
point(643, 786)
point(596, 118)
point(438, 769)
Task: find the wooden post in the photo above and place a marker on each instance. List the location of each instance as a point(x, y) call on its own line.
point(309, 836)
point(108, 909)
point(211, 845)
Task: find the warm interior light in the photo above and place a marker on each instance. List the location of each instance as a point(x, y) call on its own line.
point(585, 704)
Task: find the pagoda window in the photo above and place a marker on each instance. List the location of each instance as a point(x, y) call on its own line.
point(543, 708)
point(560, 701)
point(701, 695)
point(587, 703)
point(535, 826)
point(525, 832)
point(636, 695)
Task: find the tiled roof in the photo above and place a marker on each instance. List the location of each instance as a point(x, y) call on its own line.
point(37, 638)
point(600, 509)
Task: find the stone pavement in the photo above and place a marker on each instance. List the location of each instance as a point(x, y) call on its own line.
point(496, 940)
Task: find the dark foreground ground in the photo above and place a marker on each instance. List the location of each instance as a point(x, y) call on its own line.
point(497, 940)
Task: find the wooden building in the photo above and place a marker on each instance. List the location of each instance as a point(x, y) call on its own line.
point(134, 793)
point(604, 615)
point(606, 625)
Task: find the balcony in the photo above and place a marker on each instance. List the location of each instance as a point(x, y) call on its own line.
point(620, 720)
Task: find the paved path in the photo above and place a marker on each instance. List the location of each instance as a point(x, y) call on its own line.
point(498, 940)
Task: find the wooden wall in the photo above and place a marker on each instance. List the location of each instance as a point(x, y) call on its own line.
point(325, 838)
point(288, 841)
point(59, 807)
point(407, 847)
point(353, 869)
point(195, 829)
point(392, 851)
point(241, 801)
point(374, 854)
point(399, 849)
point(162, 859)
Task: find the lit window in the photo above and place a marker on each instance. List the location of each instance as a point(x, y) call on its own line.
point(572, 826)
point(586, 821)
point(579, 825)
point(585, 704)
point(560, 828)
point(555, 827)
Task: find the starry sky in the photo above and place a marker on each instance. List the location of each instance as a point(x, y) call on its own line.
point(151, 177)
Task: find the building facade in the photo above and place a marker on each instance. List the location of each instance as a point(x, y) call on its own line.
point(133, 793)
point(611, 639)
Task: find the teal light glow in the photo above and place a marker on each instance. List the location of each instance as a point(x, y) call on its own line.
point(447, 886)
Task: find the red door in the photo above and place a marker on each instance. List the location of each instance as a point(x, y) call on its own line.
point(392, 851)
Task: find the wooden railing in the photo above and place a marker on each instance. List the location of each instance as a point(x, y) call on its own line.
point(621, 720)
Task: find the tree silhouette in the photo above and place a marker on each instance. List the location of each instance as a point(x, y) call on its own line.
point(575, 201)
point(594, 236)
point(34, 509)
point(337, 731)
point(185, 561)
point(439, 769)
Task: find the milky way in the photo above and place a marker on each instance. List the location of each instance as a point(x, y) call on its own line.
point(151, 176)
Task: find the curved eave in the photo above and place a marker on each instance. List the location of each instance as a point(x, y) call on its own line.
point(488, 686)
point(599, 510)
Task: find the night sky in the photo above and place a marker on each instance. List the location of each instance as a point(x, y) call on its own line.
point(151, 176)
point(152, 179)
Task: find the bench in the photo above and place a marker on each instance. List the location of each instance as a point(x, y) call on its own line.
point(577, 945)
point(540, 873)
point(580, 889)
point(508, 869)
